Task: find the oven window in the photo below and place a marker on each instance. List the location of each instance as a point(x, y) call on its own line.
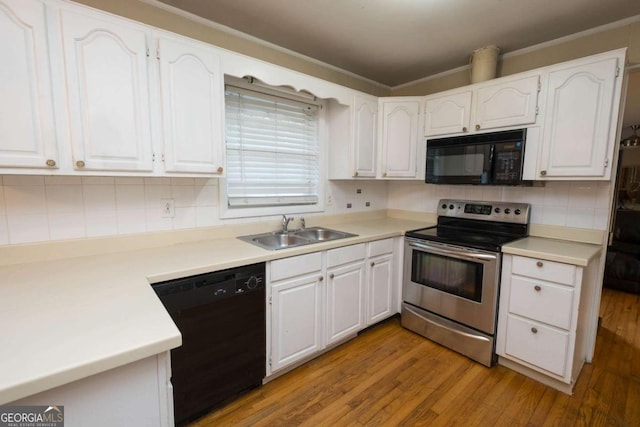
point(450, 275)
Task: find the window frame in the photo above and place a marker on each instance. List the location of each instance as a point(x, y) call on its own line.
point(226, 212)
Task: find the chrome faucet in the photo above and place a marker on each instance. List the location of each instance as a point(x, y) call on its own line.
point(285, 223)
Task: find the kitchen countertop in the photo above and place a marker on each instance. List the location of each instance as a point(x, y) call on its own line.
point(553, 250)
point(67, 319)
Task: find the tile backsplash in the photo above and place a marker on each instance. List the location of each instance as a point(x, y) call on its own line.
point(580, 204)
point(37, 208)
point(43, 208)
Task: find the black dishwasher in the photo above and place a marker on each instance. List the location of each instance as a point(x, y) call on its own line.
point(221, 316)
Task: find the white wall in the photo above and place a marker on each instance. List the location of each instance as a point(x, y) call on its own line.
point(38, 208)
point(574, 204)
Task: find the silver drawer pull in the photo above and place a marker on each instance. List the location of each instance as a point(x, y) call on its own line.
point(537, 288)
point(539, 264)
point(534, 330)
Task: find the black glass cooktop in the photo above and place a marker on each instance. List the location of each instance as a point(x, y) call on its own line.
point(467, 238)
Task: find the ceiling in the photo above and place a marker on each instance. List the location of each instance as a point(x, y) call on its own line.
point(398, 41)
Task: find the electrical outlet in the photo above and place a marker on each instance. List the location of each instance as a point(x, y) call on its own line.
point(168, 208)
point(329, 199)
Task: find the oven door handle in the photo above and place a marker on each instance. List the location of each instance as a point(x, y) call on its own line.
point(440, 325)
point(455, 254)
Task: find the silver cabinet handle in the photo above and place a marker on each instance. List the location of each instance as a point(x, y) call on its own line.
point(454, 254)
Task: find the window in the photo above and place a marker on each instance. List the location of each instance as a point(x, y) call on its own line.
point(272, 150)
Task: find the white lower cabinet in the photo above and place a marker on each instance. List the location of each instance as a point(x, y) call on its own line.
point(380, 273)
point(317, 300)
point(140, 394)
point(345, 291)
point(295, 305)
point(542, 321)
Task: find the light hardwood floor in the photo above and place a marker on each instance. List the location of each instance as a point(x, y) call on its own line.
point(389, 376)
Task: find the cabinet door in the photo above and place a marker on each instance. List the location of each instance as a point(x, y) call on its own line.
point(296, 318)
point(345, 301)
point(399, 138)
point(538, 344)
point(578, 124)
point(379, 298)
point(509, 103)
point(365, 121)
point(447, 114)
point(107, 77)
point(27, 133)
point(191, 89)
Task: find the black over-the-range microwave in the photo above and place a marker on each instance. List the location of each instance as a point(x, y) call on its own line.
point(495, 158)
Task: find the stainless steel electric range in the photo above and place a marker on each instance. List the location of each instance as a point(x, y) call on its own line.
point(452, 274)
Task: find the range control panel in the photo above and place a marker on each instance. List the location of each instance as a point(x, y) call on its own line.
point(487, 211)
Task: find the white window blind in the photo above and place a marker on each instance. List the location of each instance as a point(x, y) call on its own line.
point(272, 150)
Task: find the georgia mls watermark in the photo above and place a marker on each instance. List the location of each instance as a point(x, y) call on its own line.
point(31, 416)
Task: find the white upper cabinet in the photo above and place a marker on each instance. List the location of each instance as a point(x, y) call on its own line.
point(499, 103)
point(86, 92)
point(191, 88)
point(365, 128)
point(352, 137)
point(582, 105)
point(510, 103)
point(27, 131)
point(108, 98)
point(399, 137)
point(448, 114)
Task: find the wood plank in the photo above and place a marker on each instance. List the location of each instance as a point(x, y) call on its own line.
point(389, 376)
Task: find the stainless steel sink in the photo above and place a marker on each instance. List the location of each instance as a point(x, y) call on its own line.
point(322, 234)
point(282, 240)
point(278, 241)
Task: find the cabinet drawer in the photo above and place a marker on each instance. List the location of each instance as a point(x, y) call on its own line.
point(345, 255)
point(380, 247)
point(546, 270)
point(537, 344)
point(545, 302)
point(295, 266)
